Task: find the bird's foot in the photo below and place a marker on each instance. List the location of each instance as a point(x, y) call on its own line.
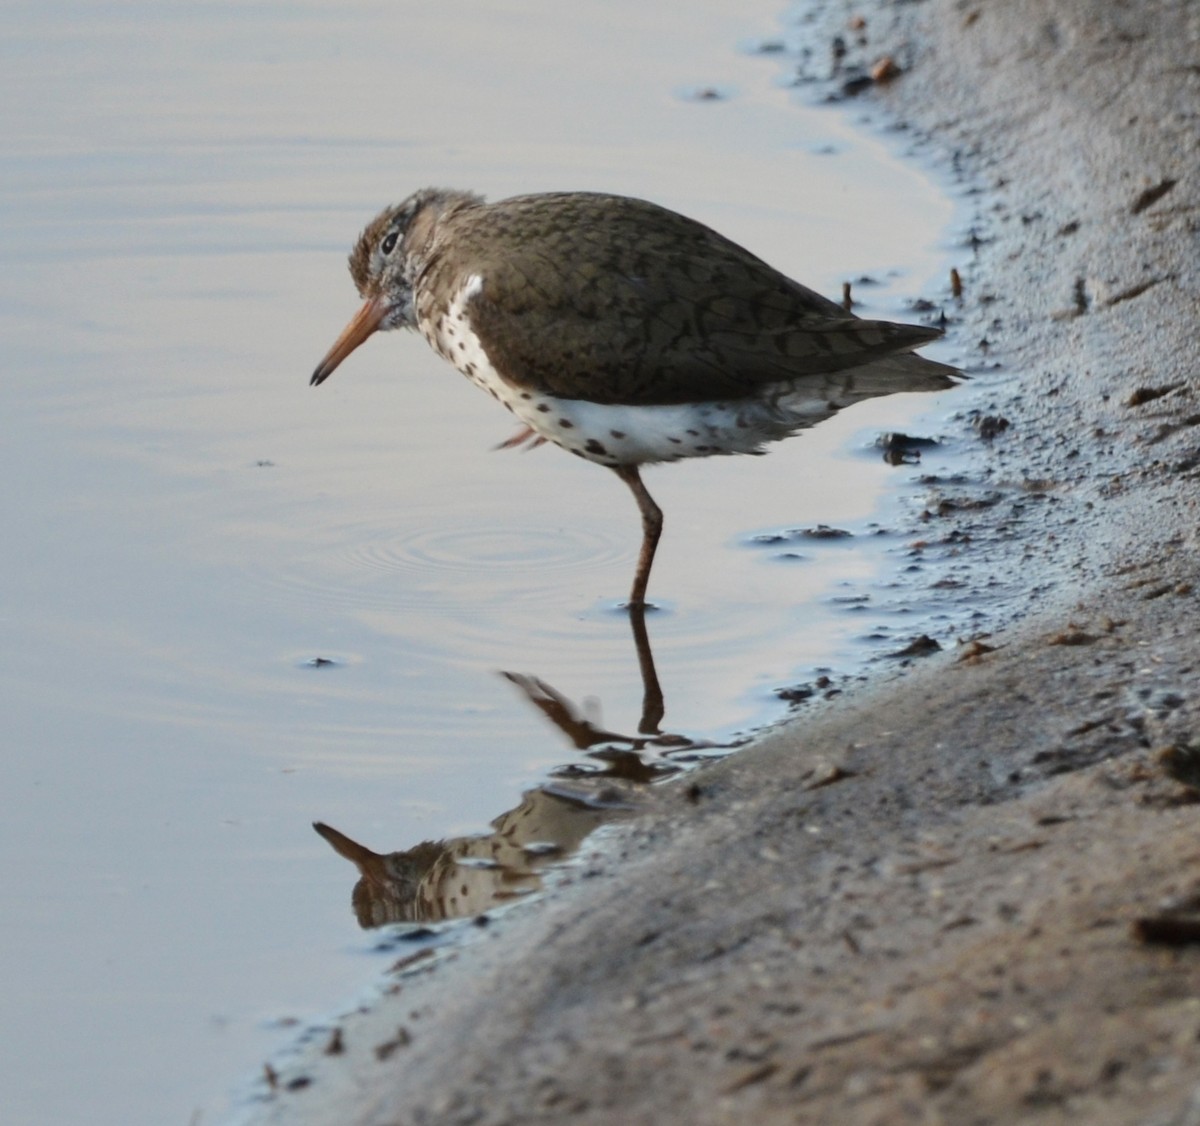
point(526, 436)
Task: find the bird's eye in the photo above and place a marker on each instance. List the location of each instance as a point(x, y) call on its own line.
point(389, 243)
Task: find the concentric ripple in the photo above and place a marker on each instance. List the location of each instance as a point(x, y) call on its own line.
point(458, 549)
point(361, 568)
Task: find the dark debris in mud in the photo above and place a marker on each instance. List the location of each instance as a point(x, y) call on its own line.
point(1151, 196)
point(822, 688)
point(1181, 763)
point(1142, 395)
point(989, 426)
point(822, 532)
point(923, 646)
point(903, 449)
point(1169, 928)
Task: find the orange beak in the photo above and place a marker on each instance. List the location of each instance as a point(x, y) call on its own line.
point(365, 322)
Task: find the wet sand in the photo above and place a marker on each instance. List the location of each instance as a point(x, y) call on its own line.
point(969, 892)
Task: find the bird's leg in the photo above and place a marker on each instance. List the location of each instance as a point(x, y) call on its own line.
point(526, 436)
point(652, 522)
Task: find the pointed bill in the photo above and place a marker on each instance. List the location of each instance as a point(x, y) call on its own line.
point(365, 322)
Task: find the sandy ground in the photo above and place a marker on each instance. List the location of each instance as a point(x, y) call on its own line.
point(969, 893)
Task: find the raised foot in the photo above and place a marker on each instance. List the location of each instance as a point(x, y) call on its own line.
point(526, 436)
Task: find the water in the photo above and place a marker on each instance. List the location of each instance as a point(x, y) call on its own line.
point(187, 525)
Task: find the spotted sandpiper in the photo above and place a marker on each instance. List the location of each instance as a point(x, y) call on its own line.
point(621, 331)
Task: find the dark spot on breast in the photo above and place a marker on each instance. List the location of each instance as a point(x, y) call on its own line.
point(543, 407)
point(694, 433)
point(470, 369)
point(526, 396)
point(566, 424)
point(594, 447)
point(702, 449)
point(675, 440)
point(577, 453)
point(461, 346)
point(618, 434)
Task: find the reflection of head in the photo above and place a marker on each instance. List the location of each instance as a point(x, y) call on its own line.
point(466, 875)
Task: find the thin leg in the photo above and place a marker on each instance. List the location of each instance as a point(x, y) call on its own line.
point(526, 436)
point(652, 522)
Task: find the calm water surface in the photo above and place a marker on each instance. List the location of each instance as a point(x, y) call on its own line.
point(187, 525)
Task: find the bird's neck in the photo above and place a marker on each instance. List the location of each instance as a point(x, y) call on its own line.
point(437, 205)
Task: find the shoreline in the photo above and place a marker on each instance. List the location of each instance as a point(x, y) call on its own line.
point(927, 901)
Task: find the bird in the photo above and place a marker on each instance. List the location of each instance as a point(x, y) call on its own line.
point(620, 330)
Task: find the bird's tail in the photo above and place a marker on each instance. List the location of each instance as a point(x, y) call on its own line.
point(812, 399)
point(903, 371)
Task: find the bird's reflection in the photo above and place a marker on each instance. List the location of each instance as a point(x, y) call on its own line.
point(470, 875)
point(467, 876)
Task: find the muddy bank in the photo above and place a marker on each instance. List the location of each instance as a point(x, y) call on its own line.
point(969, 893)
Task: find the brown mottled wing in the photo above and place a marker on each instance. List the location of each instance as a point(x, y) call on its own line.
point(618, 300)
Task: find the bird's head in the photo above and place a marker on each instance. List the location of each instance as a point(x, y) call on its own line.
point(384, 264)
